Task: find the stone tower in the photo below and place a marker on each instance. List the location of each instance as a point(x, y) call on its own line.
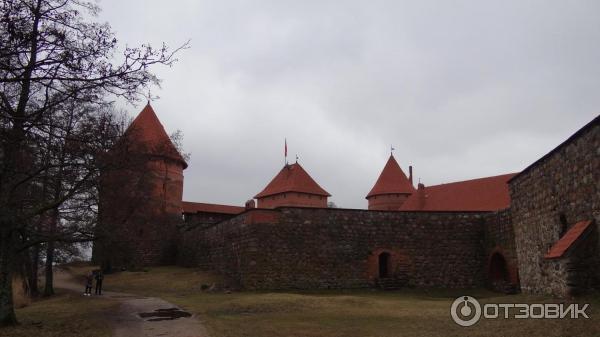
point(292, 186)
point(391, 189)
point(140, 197)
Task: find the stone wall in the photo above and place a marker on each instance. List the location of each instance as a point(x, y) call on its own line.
point(192, 238)
point(499, 239)
point(548, 198)
point(304, 248)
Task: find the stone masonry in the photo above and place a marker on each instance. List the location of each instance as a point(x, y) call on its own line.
point(499, 238)
point(304, 248)
point(548, 198)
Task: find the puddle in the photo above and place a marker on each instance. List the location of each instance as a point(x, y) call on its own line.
point(164, 314)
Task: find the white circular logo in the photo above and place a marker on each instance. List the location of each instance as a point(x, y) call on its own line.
point(465, 311)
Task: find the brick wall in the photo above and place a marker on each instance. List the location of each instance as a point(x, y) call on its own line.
point(549, 197)
point(308, 248)
point(139, 210)
point(387, 201)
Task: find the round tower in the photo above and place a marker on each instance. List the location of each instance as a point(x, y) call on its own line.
point(140, 197)
point(391, 189)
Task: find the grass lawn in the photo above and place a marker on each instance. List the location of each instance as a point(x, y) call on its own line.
point(64, 315)
point(340, 313)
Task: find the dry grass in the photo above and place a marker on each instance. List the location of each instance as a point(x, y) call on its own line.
point(65, 315)
point(338, 313)
point(159, 281)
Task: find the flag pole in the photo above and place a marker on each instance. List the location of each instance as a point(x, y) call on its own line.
point(285, 152)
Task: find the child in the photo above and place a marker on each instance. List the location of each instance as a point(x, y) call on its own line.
point(89, 278)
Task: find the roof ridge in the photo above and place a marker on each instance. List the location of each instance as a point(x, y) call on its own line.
point(473, 179)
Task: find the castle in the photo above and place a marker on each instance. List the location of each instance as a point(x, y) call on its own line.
point(535, 230)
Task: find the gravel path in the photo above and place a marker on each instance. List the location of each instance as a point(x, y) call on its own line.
point(142, 316)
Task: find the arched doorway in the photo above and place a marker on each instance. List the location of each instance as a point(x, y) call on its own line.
point(384, 265)
point(498, 275)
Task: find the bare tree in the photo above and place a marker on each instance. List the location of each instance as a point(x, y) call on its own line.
point(74, 150)
point(51, 60)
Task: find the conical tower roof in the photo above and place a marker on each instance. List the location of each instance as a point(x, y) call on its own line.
point(147, 131)
point(391, 180)
point(292, 178)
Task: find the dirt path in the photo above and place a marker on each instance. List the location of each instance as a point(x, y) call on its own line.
point(142, 316)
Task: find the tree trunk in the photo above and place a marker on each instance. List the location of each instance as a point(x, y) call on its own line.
point(26, 270)
point(7, 255)
point(34, 290)
point(49, 285)
point(13, 164)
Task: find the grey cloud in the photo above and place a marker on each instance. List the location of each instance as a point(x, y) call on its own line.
point(463, 89)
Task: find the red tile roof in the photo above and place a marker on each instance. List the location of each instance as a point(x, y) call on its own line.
point(146, 129)
point(562, 245)
point(483, 194)
point(195, 207)
point(392, 180)
point(292, 178)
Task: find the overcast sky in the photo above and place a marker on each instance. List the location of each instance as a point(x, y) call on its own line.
point(462, 89)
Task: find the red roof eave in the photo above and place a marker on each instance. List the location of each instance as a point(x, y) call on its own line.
point(195, 207)
point(372, 194)
point(568, 240)
point(264, 194)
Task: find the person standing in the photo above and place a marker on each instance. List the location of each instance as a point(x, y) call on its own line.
point(89, 278)
point(99, 279)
